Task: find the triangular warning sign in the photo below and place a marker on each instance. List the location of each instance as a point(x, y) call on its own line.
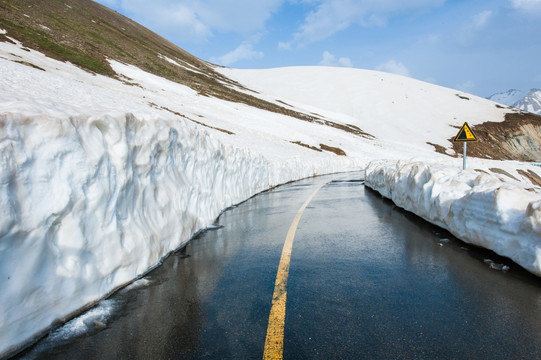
point(465, 134)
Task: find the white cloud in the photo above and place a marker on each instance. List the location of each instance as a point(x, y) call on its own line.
point(197, 20)
point(429, 40)
point(168, 17)
point(332, 16)
point(329, 59)
point(395, 67)
point(481, 20)
point(242, 52)
point(527, 5)
point(107, 2)
point(431, 80)
point(284, 45)
point(468, 32)
point(243, 16)
point(466, 86)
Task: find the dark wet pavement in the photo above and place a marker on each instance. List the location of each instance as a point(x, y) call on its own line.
point(367, 281)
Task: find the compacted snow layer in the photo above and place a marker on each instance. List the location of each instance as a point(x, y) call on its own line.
point(475, 206)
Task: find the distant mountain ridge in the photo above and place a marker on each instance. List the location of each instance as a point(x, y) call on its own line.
point(527, 101)
point(531, 102)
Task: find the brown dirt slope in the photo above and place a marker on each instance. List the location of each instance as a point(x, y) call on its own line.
point(518, 137)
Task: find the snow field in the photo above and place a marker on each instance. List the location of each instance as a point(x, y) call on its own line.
point(392, 107)
point(476, 207)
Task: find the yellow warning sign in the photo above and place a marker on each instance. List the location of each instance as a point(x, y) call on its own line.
point(465, 134)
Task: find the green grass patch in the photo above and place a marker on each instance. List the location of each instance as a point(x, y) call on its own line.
point(46, 44)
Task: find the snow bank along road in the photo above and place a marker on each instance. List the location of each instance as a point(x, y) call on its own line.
point(92, 203)
point(473, 205)
point(366, 281)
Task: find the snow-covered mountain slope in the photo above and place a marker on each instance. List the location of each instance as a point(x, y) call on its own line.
point(528, 101)
point(508, 98)
point(101, 176)
point(531, 102)
point(401, 110)
point(391, 107)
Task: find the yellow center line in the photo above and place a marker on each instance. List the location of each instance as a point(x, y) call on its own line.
point(274, 343)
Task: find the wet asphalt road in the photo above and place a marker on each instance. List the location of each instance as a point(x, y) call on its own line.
point(366, 281)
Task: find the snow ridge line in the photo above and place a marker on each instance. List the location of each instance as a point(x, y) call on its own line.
point(475, 207)
point(90, 203)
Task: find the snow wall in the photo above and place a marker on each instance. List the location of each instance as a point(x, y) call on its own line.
point(474, 206)
point(89, 204)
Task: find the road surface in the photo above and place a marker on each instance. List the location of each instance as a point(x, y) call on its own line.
point(365, 280)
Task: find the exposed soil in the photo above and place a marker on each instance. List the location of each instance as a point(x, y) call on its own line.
point(332, 149)
point(439, 148)
point(503, 172)
point(322, 147)
point(306, 146)
point(530, 175)
point(518, 138)
point(190, 119)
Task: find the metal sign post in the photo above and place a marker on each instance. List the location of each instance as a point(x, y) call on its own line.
point(464, 135)
point(464, 157)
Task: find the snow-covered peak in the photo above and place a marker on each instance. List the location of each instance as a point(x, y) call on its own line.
point(531, 102)
point(509, 97)
point(527, 101)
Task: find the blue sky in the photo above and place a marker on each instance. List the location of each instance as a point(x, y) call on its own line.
point(477, 46)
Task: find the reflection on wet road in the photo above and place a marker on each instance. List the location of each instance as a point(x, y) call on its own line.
point(366, 281)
